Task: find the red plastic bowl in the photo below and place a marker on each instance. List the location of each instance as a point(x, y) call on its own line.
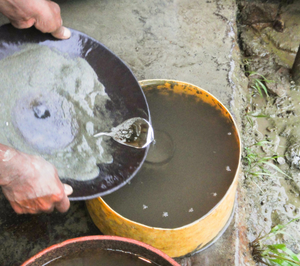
point(75, 245)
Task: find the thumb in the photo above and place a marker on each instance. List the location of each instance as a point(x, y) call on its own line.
point(61, 33)
point(68, 189)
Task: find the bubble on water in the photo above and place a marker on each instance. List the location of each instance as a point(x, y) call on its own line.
point(214, 194)
point(165, 214)
point(229, 133)
point(145, 207)
point(6, 123)
point(228, 168)
point(191, 210)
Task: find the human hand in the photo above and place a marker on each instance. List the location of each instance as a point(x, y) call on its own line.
point(31, 184)
point(43, 14)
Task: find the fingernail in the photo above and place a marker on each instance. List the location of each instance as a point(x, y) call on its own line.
point(67, 33)
point(68, 189)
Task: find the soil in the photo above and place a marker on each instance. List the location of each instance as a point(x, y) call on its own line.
point(269, 35)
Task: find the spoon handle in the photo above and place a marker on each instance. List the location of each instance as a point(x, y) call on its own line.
point(103, 134)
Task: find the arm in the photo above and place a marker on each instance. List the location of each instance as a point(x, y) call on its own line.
point(43, 14)
point(30, 183)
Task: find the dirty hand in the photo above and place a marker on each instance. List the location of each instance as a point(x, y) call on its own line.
point(43, 14)
point(31, 184)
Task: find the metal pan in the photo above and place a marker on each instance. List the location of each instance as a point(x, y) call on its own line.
point(121, 86)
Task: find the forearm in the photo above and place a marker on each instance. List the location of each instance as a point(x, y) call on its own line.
point(7, 155)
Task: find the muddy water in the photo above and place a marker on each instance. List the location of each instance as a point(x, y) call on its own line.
point(175, 192)
point(102, 257)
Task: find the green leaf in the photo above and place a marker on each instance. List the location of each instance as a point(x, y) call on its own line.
point(259, 116)
point(262, 143)
point(281, 260)
point(277, 168)
point(255, 73)
point(265, 159)
point(251, 73)
point(257, 88)
point(277, 254)
point(276, 157)
point(259, 174)
point(287, 251)
point(267, 80)
point(278, 262)
point(277, 227)
point(250, 121)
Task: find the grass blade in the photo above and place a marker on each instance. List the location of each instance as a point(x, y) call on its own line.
point(276, 168)
point(261, 143)
point(257, 88)
point(287, 251)
point(263, 87)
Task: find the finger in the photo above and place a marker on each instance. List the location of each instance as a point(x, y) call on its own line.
point(48, 18)
point(49, 21)
point(63, 205)
point(23, 209)
point(48, 210)
point(27, 210)
point(16, 208)
point(62, 33)
point(45, 204)
point(68, 189)
point(23, 24)
point(29, 206)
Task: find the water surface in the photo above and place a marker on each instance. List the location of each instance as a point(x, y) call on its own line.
point(202, 166)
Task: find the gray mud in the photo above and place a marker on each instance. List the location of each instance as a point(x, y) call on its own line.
point(270, 51)
point(48, 103)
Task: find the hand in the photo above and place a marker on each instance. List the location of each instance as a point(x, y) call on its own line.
point(31, 184)
point(43, 14)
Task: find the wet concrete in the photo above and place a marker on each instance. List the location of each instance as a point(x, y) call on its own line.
point(189, 40)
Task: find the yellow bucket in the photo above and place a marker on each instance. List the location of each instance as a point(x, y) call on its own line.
point(192, 237)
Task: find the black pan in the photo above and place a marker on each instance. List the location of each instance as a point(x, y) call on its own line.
point(121, 86)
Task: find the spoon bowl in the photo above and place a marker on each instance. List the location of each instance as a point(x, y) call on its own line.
point(135, 132)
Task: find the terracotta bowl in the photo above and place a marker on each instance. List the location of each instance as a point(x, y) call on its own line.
point(71, 248)
point(202, 231)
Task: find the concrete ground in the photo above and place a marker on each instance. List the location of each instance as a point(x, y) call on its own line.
point(187, 40)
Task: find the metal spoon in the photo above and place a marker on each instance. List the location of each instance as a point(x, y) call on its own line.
point(135, 132)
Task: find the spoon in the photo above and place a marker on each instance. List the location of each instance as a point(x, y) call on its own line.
point(135, 132)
